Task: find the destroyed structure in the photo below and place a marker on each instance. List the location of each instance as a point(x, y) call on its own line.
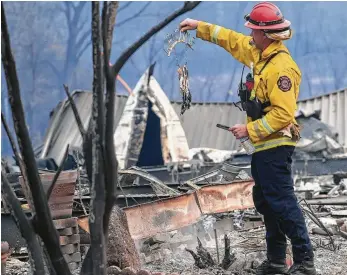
point(183, 178)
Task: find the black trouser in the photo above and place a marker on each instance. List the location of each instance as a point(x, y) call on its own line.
point(274, 197)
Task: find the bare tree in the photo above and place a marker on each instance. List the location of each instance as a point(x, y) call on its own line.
point(78, 34)
point(98, 145)
point(33, 45)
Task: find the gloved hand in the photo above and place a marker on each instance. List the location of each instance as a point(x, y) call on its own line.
point(188, 24)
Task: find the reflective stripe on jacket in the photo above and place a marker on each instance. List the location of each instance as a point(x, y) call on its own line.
point(278, 83)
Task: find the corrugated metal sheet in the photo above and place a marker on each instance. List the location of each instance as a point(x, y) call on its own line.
point(199, 124)
point(63, 129)
point(333, 111)
point(146, 220)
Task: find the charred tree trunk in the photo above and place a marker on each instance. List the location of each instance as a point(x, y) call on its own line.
point(121, 248)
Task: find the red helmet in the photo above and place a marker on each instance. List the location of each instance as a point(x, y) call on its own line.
point(266, 16)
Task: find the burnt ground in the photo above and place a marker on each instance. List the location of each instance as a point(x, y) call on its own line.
point(166, 252)
point(249, 249)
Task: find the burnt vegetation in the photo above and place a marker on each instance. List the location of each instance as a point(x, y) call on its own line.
point(99, 152)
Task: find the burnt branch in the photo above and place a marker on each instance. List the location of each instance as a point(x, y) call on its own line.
point(57, 174)
point(202, 258)
point(75, 112)
point(48, 233)
point(24, 226)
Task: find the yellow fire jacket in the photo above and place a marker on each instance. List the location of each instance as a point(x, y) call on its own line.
point(278, 83)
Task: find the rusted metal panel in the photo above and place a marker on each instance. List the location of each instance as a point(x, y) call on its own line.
point(221, 198)
point(61, 200)
point(160, 216)
point(146, 220)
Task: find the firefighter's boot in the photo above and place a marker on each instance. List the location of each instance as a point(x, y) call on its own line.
point(273, 268)
point(304, 268)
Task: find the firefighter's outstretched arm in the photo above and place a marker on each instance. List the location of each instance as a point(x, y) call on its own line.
point(282, 97)
point(235, 43)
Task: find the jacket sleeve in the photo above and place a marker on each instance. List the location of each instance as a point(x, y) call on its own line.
point(235, 43)
point(282, 95)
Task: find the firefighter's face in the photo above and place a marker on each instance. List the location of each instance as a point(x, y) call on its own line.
point(258, 38)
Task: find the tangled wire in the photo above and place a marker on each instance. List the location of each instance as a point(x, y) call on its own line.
point(172, 40)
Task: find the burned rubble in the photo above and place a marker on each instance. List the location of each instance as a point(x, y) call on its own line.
point(167, 252)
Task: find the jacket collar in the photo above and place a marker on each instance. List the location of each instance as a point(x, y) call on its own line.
point(272, 48)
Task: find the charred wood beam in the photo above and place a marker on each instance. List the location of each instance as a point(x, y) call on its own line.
point(47, 231)
point(75, 111)
point(86, 137)
point(228, 257)
point(24, 226)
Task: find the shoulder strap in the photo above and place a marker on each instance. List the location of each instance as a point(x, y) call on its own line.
point(269, 59)
point(267, 103)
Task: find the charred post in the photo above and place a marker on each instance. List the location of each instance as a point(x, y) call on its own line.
point(228, 257)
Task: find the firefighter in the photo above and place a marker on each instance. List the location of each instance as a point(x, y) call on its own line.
point(271, 126)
